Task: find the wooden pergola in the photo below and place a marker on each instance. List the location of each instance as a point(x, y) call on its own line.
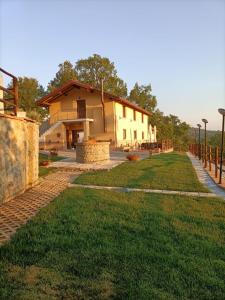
point(12, 92)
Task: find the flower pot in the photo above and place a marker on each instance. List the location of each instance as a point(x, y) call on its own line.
point(44, 163)
point(133, 157)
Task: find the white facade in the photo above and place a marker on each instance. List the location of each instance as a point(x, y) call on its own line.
point(152, 134)
point(132, 129)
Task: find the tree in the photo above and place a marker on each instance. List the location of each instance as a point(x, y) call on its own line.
point(141, 95)
point(172, 128)
point(29, 91)
point(215, 139)
point(65, 73)
point(95, 68)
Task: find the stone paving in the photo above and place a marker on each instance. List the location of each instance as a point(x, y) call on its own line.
point(116, 158)
point(125, 189)
point(70, 163)
point(204, 177)
point(18, 211)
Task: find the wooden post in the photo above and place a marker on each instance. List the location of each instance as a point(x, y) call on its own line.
point(210, 158)
point(203, 153)
point(16, 96)
point(216, 161)
point(103, 105)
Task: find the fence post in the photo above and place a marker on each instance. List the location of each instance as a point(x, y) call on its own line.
point(203, 153)
point(216, 162)
point(210, 158)
point(206, 157)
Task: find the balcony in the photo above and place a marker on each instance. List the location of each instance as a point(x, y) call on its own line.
point(63, 116)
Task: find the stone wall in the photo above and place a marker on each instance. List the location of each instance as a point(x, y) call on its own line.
point(18, 155)
point(88, 153)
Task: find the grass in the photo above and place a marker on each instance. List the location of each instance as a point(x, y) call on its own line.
point(171, 171)
point(43, 171)
point(51, 157)
point(95, 244)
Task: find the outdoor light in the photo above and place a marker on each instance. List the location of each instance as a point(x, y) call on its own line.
point(222, 112)
point(205, 122)
point(199, 135)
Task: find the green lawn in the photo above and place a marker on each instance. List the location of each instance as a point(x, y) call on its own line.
point(171, 171)
point(51, 158)
point(95, 244)
point(43, 171)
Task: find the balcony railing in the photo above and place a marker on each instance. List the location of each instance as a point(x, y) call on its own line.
point(63, 115)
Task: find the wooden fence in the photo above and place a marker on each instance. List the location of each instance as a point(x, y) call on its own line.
point(209, 156)
point(12, 98)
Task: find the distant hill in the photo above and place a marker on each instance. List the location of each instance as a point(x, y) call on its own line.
point(194, 132)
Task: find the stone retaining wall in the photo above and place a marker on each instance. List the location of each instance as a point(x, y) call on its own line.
point(18, 155)
point(88, 153)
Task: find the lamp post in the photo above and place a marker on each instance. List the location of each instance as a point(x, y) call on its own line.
point(222, 112)
point(205, 122)
point(199, 135)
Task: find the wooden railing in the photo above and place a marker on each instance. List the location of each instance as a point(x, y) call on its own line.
point(209, 156)
point(11, 102)
point(63, 115)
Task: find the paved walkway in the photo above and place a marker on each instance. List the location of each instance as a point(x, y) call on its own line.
point(116, 158)
point(125, 189)
point(18, 211)
point(204, 177)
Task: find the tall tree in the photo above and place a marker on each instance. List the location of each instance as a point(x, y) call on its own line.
point(141, 95)
point(172, 128)
point(65, 73)
point(29, 91)
point(95, 68)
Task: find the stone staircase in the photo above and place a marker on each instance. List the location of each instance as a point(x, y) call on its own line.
point(47, 129)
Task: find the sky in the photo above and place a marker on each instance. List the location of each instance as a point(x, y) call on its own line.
point(176, 46)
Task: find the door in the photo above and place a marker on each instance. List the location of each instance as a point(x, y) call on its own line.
point(81, 109)
point(77, 137)
point(74, 138)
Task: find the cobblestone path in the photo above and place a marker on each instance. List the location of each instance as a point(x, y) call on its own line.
point(18, 211)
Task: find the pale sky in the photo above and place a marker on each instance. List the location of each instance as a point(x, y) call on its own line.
point(177, 46)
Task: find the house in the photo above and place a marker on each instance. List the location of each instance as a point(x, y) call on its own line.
point(79, 112)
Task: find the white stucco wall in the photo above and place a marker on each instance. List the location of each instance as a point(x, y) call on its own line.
point(152, 134)
point(130, 125)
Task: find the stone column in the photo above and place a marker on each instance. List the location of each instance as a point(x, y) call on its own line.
point(86, 130)
point(70, 138)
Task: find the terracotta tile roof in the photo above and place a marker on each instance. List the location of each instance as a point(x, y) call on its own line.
point(46, 100)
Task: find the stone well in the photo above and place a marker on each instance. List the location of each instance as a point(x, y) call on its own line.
point(92, 152)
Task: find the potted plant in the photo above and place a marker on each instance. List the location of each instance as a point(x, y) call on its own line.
point(44, 163)
point(133, 157)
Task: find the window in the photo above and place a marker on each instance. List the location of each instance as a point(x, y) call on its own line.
point(135, 134)
point(134, 115)
point(143, 135)
point(124, 111)
point(142, 118)
point(124, 134)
